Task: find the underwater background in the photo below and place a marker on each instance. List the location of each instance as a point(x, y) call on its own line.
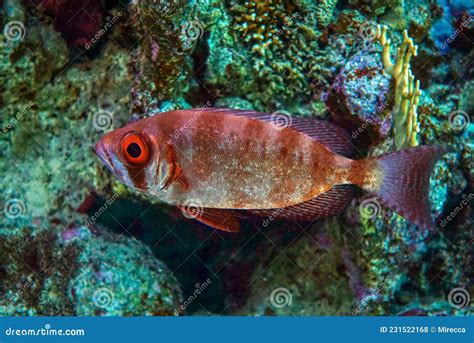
point(75, 241)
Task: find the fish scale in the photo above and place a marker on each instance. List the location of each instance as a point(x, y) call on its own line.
point(225, 160)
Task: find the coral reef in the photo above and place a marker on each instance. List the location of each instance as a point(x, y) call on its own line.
point(74, 241)
point(53, 111)
point(167, 32)
point(302, 278)
point(407, 91)
point(363, 90)
point(82, 273)
point(78, 22)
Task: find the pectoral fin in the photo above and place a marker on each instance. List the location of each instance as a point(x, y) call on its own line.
point(225, 220)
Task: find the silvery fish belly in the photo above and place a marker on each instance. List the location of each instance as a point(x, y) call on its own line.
point(226, 160)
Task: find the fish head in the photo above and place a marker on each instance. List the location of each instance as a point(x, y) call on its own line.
point(131, 153)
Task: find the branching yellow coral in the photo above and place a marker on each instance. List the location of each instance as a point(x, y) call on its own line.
point(407, 91)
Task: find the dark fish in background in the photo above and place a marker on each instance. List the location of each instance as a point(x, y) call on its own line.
point(224, 160)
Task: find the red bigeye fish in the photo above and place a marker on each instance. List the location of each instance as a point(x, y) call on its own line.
point(231, 163)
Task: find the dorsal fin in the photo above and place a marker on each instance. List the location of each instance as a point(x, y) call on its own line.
point(332, 136)
point(327, 204)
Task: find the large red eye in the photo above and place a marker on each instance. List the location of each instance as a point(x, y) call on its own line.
point(135, 149)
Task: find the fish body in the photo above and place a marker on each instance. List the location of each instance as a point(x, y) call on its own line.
point(224, 159)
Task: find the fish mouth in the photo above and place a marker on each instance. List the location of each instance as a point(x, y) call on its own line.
point(101, 151)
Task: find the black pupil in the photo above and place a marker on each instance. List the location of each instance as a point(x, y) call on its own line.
point(134, 150)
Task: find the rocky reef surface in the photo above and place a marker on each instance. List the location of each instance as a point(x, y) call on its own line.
point(74, 241)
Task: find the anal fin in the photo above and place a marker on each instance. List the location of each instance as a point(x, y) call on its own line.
point(327, 204)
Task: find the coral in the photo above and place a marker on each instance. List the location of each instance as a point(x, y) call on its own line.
point(167, 34)
point(276, 54)
point(325, 11)
point(362, 89)
point(53, 111)
point(65, 249)
point(78, 22)
point(48, 159)
point(407, 91)
point(376, 7)
point(456, 17)
point(273, 60)
point(81, 272)
point(306, 276)
point(420, 20)
point(263, 24)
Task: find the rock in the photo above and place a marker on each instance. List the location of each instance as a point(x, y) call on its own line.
point(82, 273)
